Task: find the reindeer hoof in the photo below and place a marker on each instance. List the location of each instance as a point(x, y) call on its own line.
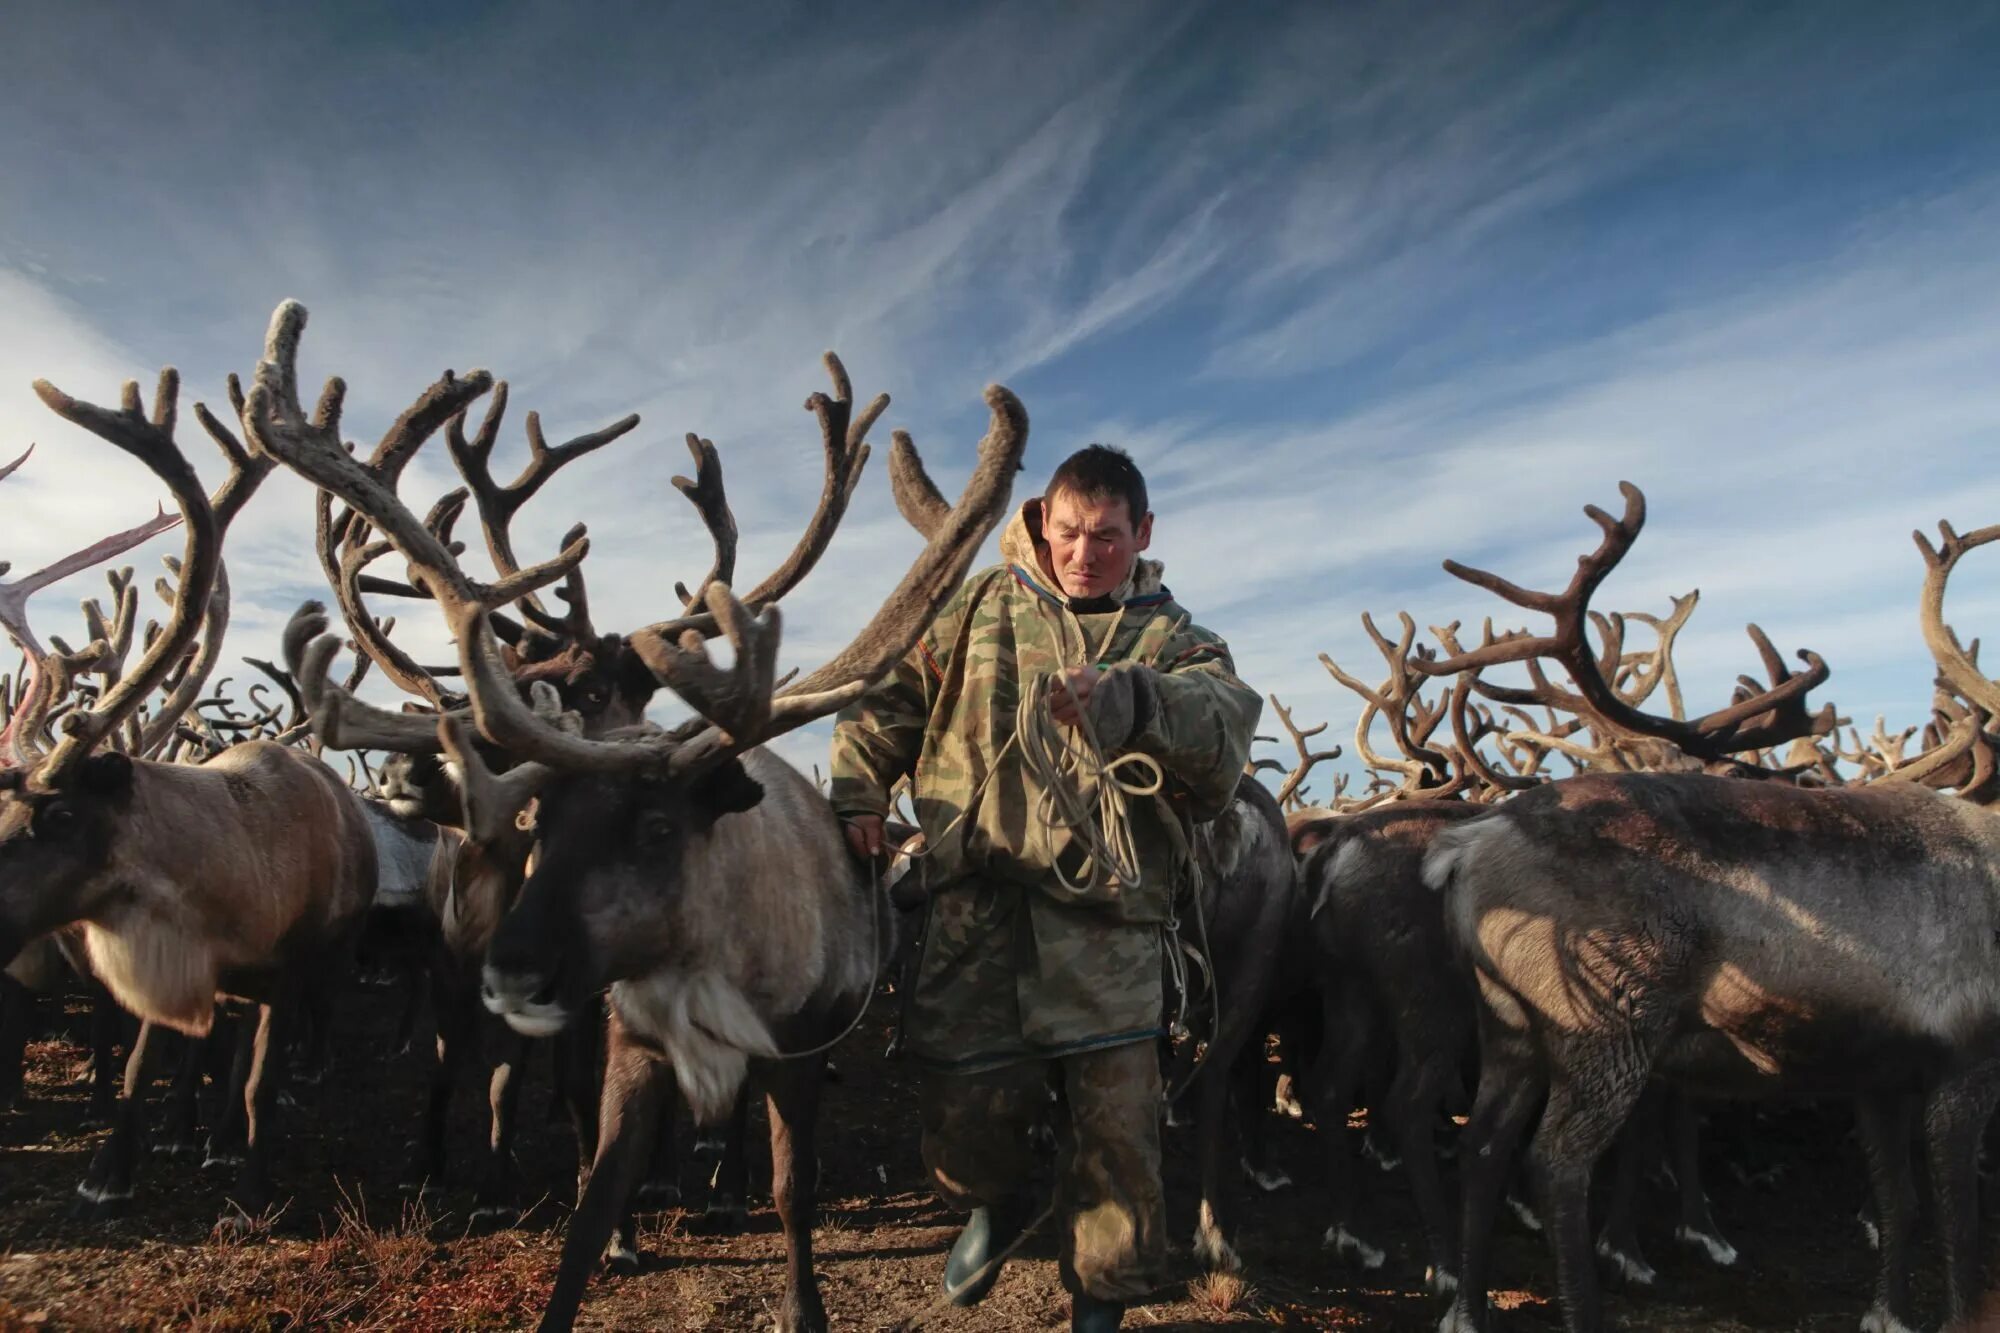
point(101, 1203)
point(234, 1224)
point(1627, 1263)
point(1268, 1181)
point(620, 1258)
point(1383, 1158)
point(1211, 1248)
point(1879, 1320)
point(1346, 1245)
point(1525, 1215)
point(1719, 1251)
point(1458, 1319)
point(800, 1316)
point(728, 1219)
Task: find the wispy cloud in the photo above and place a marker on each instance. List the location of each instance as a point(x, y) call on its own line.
point(1361, 288)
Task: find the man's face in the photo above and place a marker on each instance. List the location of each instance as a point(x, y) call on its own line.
point(1092, 543)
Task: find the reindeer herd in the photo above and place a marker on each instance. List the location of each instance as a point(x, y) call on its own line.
point(1751, 903)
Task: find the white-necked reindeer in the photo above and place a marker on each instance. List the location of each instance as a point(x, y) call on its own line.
point(699, 877)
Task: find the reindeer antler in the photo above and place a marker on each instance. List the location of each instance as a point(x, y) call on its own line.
point(150, 439)
point(742, 706)
point(1754, 721)
point(1289, 791)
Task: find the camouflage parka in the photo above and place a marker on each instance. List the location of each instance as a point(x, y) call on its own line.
point(1014, 965)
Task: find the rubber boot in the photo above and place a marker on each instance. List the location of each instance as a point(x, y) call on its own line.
point(987, 1232)
point(1088, 1314)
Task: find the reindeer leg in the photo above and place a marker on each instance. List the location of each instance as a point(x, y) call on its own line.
point(793, 1102)
point(17, 1004)
point(1954, 1119)
point(1883, 1121)
point(661, 1188)
point(251, 1194)
point(1590, 1099)
point(1343, 1054)
point(1697, 1226)
point(1253, 1090)
point(183, 1127)
point(498, 1194)
point(576, 1085)
point(729, 1188)
point(1510, 1088)
point(634, 1083)
point(108, 1026)
point(107, 1188)
point(231, 1132)
point(1618, 1242)
point(1414, 1102)
point(313, 1050)
point(455, 1002)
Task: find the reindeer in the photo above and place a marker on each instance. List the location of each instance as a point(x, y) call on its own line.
point(42, 966)
point(1735, 937)
point(239, 876)
point(1246, 923)
point(1392, 980)
point(693, 873)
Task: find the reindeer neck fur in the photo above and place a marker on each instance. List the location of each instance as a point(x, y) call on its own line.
point(221, 868)
point(1793, 923)
point(405, 847)
point(770, 920)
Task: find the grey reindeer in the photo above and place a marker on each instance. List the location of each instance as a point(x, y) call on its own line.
point(1731, 938)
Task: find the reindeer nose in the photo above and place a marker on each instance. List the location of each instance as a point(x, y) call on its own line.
point(501, 990)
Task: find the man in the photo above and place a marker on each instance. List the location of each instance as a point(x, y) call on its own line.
point(1023, 982)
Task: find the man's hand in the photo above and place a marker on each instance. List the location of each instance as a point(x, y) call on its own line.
point(864, 835)
point(1070, 693)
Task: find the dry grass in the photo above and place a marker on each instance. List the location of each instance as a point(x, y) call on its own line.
point(1223, 1295)
point(359, 1274)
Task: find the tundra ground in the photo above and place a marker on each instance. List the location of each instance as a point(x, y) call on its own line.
point(349, 1251)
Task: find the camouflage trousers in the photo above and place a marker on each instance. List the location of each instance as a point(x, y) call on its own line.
point(977, 1148)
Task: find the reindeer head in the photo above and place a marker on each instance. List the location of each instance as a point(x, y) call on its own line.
point(613, 854)
point(55, 845)
point(621, 809)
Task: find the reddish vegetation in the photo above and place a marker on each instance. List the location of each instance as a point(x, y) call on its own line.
point(348, 1252)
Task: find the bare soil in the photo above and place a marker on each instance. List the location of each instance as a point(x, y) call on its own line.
point(347, 1250)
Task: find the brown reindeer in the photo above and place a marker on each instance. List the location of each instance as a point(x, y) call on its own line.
point(41, 966)
point(236, 877)
point(693, 873)
point(1737, 938)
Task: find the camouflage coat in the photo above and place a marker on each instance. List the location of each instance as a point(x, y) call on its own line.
point(1013, 965)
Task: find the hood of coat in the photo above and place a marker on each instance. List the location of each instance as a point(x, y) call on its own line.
point(1021, 546)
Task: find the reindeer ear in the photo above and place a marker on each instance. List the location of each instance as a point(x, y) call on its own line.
point(108, 774)
point(728, 790)
point(1308, 836)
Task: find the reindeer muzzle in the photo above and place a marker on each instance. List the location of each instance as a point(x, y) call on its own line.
point(529, 1001)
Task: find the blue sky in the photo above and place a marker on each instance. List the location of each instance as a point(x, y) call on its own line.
point(1360, 286)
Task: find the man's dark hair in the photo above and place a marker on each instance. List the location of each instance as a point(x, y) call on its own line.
point(1100, 472)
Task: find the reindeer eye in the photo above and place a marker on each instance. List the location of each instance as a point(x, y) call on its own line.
point(57, 821)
